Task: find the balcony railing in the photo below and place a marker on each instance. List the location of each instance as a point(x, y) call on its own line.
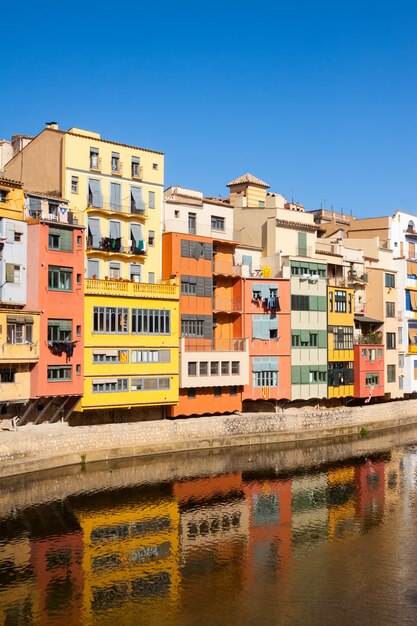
point(131, 289)
point(117, 168)
point(227, 305)
point(201, 230)
point(137, 173)
point(112, 207)
point(114, 246)
point(219, 345)
point(228, 269)
point(95, 164)
point(371, 339)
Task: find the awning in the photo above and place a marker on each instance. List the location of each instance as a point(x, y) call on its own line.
point(366, 320)
point(412, 268)
point(136, 230)
point(412, 336)
point(413, 300)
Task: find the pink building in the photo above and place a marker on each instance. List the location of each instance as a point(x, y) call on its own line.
point(56, 289)
point(267, 324)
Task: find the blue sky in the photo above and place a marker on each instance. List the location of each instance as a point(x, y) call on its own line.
point(319, 99)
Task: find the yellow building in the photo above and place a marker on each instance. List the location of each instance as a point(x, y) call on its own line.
point(130, 554)
point(340, 319)
point(131, 319)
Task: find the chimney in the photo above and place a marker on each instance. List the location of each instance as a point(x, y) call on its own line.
point(52, 125)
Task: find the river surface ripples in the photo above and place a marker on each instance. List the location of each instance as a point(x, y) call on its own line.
point(251, 536)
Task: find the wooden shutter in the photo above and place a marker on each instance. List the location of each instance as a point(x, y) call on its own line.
point(9, 273)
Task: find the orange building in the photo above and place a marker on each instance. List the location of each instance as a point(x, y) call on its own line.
point(267, 324)
point(198, 250)
point(55, 287)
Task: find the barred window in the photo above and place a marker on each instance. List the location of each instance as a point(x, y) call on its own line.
point(151, 322)
point(113, 320)
point(265, 379)
point(342, 337)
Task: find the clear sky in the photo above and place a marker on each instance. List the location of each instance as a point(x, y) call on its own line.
point(317, 98)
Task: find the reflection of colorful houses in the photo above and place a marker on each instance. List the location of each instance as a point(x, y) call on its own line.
point(211, 510)
point(269, 538)
point(18, 588)
point(341, 500)
point(309, 509)
point(131, 556)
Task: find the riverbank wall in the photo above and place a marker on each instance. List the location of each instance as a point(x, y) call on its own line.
point(34, 448)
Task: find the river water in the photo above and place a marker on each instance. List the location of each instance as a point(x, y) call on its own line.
point(265, 535)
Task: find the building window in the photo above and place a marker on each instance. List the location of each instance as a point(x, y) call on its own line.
point(108, 356)
point(110, 320)
point(342, 337)
point(265, 379)
point(114, 270)
point(391, 344)
point(390, 309)
point(372, 380)
point(295, 341)
point(261, 204)
point(401, 383)
point(59, 373)
point(151, 277)
point(7, 376)
point(115, 163)
point(217, 223)
point(192, 328)
point(191, 394)
point(235, 367)
point(340, 373)
point(415, 370)
point(78, 331)
point(150, 384)
point(78, 279)
point(155, 166)
point(78, 370)
point(391, 375)
point(192, 368)
point(192, 223)
point(204, 368)
point(313, 340)
point(19, 332)
point(59, 278)
point(110, 385)
point(400, 335)
point(390, 280)
point(225, 365)
point(372, 354)
point(151, 322)
point(331, 302)
point(189, 285)
point(3, 195)
point(151, 238)
point(401, 361)
point(176, 214)
point(13, 273)
point(217, 392)
point(151, 356)
point(94, 159)
point(340, 301)
point(135, 167)
point(214, 368)
point(59, 330)
point(60, 239)
point(17, 236)
point(380, 353)
point(74, 184)
point(151, 200)
point(233, 391)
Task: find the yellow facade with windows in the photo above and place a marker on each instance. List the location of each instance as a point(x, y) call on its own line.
point(147, 363)
point(11, 199)
point(340, 320)
point(131, 552)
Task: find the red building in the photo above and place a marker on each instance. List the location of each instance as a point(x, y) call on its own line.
point(56, 289)
point(267, 324)
point(369, 369)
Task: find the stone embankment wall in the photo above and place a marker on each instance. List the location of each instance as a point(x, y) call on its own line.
point(34, 448)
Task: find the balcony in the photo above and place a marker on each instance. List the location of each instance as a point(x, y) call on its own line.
point(137, 172)
point(370, 339)
point(130, 289)
point(107, 206)
point(114, 246)
point(224, 268)
point(201, 230)
point(194, 344)
point(117, 168)
point(227, 305)
point(304, 251)
point(95, 163)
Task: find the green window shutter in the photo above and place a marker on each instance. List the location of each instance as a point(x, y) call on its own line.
point(313, 268)
point(313, 303)
point(66, 240)
point(295, 263)
point(322, 339)
point(305, 374)
point(9, 273)
point(305, 336)
point(295, 374)
point(302, 244)
point(321, 303)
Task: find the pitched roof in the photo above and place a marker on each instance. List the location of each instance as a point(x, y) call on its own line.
point(249, 179)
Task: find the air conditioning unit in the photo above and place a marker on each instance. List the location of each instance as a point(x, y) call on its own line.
point(305, 276)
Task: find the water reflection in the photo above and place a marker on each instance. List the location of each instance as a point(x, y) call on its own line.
point(218, 549)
